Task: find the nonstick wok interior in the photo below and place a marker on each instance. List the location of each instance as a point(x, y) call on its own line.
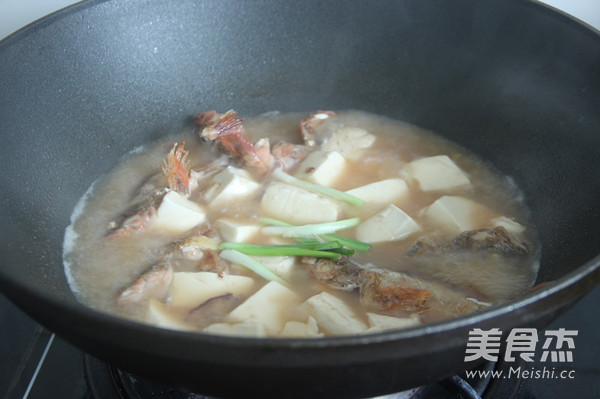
point(513, 81)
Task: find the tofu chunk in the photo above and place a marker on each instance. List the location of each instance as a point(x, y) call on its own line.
point(237, 329)
point(160, 314)
point(389, 191)
point(333, 315)
point(391, 224)
point(301, 330)
point(454, 214)
point(189, 289)
point(297, 206)
point(283, 266)
point(236, 230)
point(379, 322)
point(322, 167)
point(437, 173)
point(231, 184)
point(349, 141)
point(510, 225)
point(178, 214)
point(268, 306)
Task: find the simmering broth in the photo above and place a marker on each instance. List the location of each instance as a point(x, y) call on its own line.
point(435, 232)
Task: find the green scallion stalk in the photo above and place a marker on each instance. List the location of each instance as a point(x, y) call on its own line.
point(244, 260)
point(343, 251)
point(318, 189)
point(316, 246)
point(311, 230)
point(345, 241)
point(348, 242)
point(289, 252)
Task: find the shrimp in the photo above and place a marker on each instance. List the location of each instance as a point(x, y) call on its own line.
point(228, 131)
point(308, 126)
point(141, 216)
point(153, 283)
point(201, 250)
point(288, 155)
point(138, 218)
point(196, 251)
point(176, 169)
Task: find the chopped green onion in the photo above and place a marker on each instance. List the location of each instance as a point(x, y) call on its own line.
point(345, 241)
point(311, 230)
point(348, 242)
point(343, 251)
point(316, 246)
point(241, 259)
point(289, 252)
point(316, 188)
point(318, 249)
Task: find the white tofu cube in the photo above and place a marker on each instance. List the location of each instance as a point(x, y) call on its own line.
point(379, 322)
point(236, 230)
point(232, 184)
point(333, 315)
point(389, 191)
point(178, 214)
point(162, 316)
point(297, 206)
point(301, 330)
point(391, 224)
point(510, 225)
point(453, 214)
point(268, 306)
point(283, 266)
point(189, 289)
point(237, 330)
point(321, 167)
point(349, 141)
point(437, 173)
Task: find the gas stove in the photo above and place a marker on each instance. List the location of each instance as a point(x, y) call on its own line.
point(35, 363)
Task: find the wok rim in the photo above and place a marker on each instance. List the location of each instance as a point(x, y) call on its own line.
point(20, 33)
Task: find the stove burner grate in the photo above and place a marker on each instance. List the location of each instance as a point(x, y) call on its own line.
point(105, 381)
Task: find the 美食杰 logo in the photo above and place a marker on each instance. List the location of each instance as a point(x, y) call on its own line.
point(524, 344)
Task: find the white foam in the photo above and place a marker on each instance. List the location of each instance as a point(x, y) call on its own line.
point(138, 149)
point(71, 237)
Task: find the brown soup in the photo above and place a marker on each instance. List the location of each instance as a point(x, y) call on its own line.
point(429, 231)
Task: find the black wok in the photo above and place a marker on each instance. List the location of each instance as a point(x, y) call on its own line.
point(513, 81)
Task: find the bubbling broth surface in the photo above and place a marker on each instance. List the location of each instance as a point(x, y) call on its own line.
point(446, 234)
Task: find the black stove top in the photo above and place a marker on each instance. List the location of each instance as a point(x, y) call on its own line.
point(34, 363)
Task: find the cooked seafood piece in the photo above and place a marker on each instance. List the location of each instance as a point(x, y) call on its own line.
point(228, 131)
point(197, 251)
point(309, 125)
point(153, 283)
point(495, 239)
point(387, 290)
point(138, 218)
point(492, 239)
point(288, 155)
point(212, 311)
point(142, 214)
point(491, 261)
